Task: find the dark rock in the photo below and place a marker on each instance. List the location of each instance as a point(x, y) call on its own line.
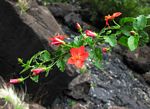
point(62, 9)
point(69, 15)
point(79, 87)
point(137, 60)
point(22, 35)
point(116, 107)
point(115, 87)
point(147, 77)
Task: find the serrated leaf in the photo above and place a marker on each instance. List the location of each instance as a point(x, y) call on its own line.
point(112, 40)
point(61, 64)
point(35, 78)
point(133, 42)
point(140, 22)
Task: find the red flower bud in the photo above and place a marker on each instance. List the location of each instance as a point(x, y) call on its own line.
point(78, 27)
point(15, 81)
point(104, 50)
point(90, 33)
point(57, 40)
point(37, 71)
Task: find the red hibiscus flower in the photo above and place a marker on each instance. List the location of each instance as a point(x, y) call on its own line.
point(37, 71)
point(78, 56)
point(90, 33)
point(111, 17)
point(15, 81)
point(57, 40)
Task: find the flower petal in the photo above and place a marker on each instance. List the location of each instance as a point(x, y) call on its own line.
point(79, 63)
point(70, 61)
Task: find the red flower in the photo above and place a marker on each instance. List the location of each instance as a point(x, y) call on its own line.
point(111, 17)
point(78, 56)
point(15, 81)
point(37, 71)
point(78, 27)
point(57, 40)
point(90, 33)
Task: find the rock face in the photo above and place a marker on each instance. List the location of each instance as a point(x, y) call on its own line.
point(114, 86)
point(138, 60)
point(22, 35)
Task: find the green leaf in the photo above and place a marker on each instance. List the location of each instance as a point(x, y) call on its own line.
point(77, 41)
point(96, 54)
point(148, 16)
point(123, 41)
point(45, 56)
point(35, 78)
point(47, 72)
point(126, 30)
point(98, 64)
point(109, 32)
point(144, 38)
point(126, 20)
point(112, 40)
point(140, 22)
point(26, 67)
point(61, 65)
point(103, 31)
point(89, 41)
point(133, 42)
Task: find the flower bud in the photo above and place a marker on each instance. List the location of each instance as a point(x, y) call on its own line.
point(78, 27)
point(104, 50)
point(132, 33)
point(37, 71)
point(90, 33)
point(15, 81)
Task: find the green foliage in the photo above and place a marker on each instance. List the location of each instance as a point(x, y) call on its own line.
point(140, 22)
point(127, 7)
point(35, 78)
point(133, 30)
point(112, 40)
point(133, 42)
